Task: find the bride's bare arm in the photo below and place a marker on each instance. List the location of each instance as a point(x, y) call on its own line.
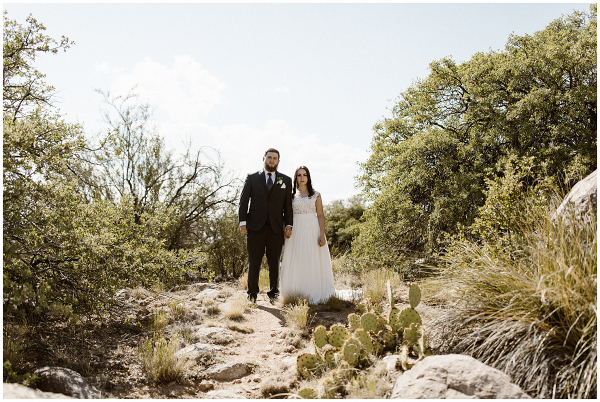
point(321, 217)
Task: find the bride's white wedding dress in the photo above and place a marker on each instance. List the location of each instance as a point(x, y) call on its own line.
point(306, 267)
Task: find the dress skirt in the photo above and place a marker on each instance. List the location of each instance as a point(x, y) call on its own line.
point(305, 267)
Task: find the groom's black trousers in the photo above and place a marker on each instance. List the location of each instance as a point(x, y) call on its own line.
point(257, 243)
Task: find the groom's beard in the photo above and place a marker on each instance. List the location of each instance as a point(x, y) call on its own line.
point(269, 168)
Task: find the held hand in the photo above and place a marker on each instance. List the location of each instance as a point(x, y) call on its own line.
point(288, 232)
point(322, 241)
point(243, 229)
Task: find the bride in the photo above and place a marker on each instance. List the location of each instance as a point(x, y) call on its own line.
point(306, 264)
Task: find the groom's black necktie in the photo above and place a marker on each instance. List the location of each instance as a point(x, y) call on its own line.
point(270, 182)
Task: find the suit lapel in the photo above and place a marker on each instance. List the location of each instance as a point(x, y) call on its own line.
point(263, 179)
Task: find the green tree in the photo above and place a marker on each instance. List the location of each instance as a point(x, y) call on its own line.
point(341, 223)
point(132, 160)
point(426, 176)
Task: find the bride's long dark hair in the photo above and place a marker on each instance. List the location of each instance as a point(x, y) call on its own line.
point(311, 192)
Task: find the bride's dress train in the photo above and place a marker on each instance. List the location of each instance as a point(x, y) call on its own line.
point(306, 267)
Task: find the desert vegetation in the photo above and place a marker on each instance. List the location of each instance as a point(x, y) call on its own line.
point(118, 255)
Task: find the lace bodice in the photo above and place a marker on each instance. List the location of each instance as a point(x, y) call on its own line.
point(305, 205)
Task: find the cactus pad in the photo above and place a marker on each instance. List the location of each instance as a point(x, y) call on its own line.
point(352, 351)
point(364, 339)
point(354, 321)
point(306, 362)
point(389, 339)
point(320, 336)
point(368, 321)
point(377, 347)
point(361, 307)
point(393, 320)
point(338, 335)
point(307, 393)
point(412, 333)
point(381, 324)
point(408, 316)
point(414, 295)
point(390, 295)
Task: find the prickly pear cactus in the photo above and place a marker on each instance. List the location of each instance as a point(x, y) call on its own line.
point(362, 307)
point(412, 334)
point(307, 362)
point(338, 335)
point(377, 345)
point(381, 324)
point(330, 387)
point(404, 358)
point(352, 352)
point(389, 339)
point(329, 357)
point(369, 321)
point(354, 321)
point(408, 316)
point(320, 336)
point(393, 320)
point(390, 295)
point(414, 295)
point(364, 339)
point(307, 393)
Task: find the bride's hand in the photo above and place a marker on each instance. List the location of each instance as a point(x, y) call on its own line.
point(322, 241)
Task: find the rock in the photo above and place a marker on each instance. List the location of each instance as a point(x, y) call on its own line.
point(390, 362)
point(200, 286)
point(454, 376)
point(218, 335)
point(582, 198)
point(65, 381)
point(349, 294)
point(212, 293)
point(206, 386)
point(196, 351)
point(18, 391)
point(223, 394)
point(228, 371)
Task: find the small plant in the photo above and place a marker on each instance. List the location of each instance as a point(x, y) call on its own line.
point(374, 283)
point(139, 293)
point(244, 329)
point(296, 316)
point(158, 358)
point(210, 306)
point(235, 307)
point(160, 321)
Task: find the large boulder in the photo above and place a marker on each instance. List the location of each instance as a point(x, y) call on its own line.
point(223, 394)
point(65, 381)
point(197, 351)
point(452, 377)
point(18, 391)
point(581, 200)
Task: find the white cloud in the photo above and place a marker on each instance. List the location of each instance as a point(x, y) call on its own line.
point(284, 89)
point(183, 92)
point(332, 165)
point(104, 68)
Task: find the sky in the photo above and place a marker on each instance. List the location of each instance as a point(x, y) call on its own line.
point(309, 79)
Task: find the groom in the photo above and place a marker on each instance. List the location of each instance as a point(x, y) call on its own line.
point(270, 195)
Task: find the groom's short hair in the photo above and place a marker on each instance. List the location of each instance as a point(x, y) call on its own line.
point(273, 150)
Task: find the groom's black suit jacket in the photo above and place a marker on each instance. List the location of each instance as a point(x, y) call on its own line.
point(276, 204)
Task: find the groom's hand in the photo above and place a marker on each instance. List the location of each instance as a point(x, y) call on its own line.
point(243, 229)
point(288, 232)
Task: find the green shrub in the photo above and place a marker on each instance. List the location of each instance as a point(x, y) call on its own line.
point(529, 310)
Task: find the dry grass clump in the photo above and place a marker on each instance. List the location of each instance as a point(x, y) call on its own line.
point(139, 293)
point(159, 321)
point(209, 306)
point(158, 358)
point(374, 283)
point(530, 309)
point(296, 316)
point(235, 307)
point(292, 298)
point(244, 329)
point(334, 303)
point(181, 311)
